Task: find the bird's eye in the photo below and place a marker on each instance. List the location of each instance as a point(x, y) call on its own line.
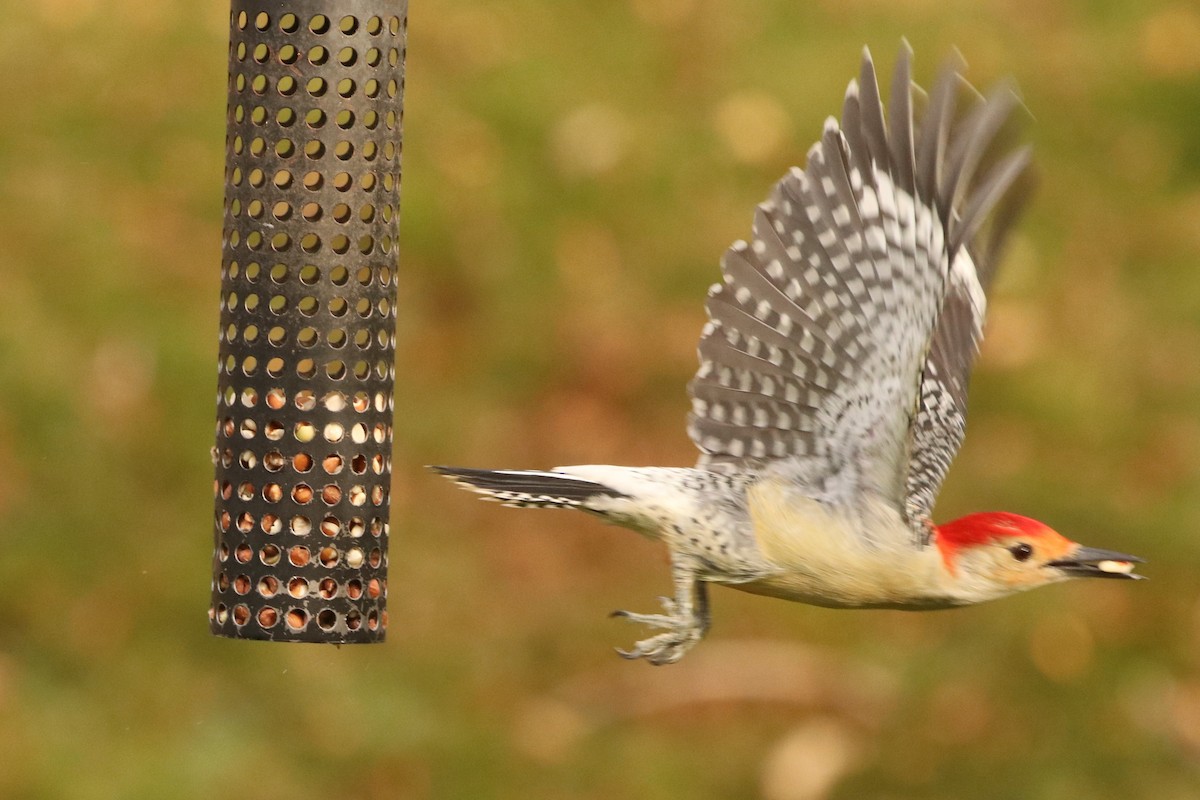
point(1021, 552)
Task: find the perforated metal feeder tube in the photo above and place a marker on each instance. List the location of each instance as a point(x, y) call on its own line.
point(308, 307)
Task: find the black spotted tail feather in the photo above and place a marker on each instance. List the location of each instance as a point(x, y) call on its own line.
point(528, 488)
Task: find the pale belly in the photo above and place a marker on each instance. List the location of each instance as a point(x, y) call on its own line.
point(826, 560)
point(819, 593)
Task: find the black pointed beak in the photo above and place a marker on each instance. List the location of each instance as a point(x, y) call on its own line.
point(1092, 562)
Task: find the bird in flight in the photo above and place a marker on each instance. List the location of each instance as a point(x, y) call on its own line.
point(831, 395)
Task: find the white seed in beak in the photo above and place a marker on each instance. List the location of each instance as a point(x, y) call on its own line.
point(1121, 567)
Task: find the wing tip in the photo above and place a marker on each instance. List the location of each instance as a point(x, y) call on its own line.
point(894, 148)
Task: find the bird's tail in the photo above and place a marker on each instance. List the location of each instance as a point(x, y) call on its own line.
point(523, 488)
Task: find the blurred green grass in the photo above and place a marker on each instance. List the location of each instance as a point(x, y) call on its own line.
point(572, 172)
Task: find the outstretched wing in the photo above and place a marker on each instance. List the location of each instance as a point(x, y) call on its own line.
point(839, 343)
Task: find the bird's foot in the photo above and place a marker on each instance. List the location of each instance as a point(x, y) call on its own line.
point(681, 633)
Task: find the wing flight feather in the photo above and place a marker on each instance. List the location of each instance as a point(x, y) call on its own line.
point(840, 342)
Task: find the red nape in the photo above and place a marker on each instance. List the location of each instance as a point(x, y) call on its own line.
point(977, 529)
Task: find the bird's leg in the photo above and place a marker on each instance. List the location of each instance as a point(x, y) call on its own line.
point(684, 624)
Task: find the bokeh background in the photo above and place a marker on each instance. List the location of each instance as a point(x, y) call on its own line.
point(572, 172)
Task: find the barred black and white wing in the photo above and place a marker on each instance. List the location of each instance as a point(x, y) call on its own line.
point(978, 229)
point(840, 341)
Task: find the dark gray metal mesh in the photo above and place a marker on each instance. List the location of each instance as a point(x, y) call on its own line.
point(308, 282)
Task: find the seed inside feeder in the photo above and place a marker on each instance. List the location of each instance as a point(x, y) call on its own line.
point(305, 432)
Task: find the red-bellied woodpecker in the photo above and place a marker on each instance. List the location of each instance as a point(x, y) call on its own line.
point(831, 394)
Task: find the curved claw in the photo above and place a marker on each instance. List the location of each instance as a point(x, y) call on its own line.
point(650, 620)
point(657, 653)
point(678, 636)
point(683, 624)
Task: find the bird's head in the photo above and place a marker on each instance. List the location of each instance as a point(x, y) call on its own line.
point(994, 554)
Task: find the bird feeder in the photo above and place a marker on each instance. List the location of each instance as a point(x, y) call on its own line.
point(307, 333)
